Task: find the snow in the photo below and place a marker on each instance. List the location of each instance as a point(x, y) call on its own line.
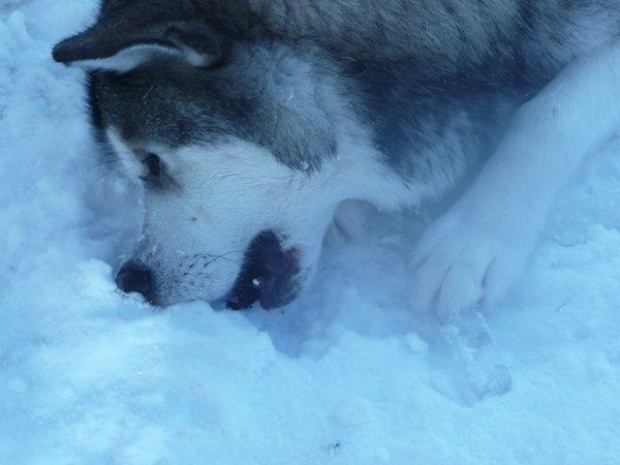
point(347, 376)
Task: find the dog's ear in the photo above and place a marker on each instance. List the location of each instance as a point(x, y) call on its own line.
point(121, 46)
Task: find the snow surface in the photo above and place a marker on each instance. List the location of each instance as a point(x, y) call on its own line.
point(348, 376)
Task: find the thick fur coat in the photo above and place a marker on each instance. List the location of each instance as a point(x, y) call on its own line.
point(249, 122)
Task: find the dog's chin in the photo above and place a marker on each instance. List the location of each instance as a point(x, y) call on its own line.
point(270, 275)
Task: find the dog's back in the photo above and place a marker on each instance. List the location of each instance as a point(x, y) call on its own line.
point(494, 38)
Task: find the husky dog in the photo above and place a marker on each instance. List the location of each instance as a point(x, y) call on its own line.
point(249, 122)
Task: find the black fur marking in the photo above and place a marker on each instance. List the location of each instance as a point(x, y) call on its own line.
point(268, 274)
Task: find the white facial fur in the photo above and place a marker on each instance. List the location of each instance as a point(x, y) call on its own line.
point(195, 235)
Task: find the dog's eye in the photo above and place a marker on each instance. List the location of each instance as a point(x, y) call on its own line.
point(153, 164)
point(156, 175)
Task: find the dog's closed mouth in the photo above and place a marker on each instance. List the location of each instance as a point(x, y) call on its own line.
point(269, 275)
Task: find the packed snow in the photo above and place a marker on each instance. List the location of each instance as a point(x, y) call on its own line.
point(348, 375)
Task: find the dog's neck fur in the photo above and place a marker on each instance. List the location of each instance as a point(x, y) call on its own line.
point(372, 162)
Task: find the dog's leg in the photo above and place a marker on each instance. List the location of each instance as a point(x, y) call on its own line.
point(475, 251)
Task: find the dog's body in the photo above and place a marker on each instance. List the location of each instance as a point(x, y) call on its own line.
point(251, 121)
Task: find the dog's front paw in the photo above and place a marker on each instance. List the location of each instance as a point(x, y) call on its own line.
point(469, 258)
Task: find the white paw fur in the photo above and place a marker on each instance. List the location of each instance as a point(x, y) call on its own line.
point(472, 255)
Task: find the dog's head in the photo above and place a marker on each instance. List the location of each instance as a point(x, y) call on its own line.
point(237, 147)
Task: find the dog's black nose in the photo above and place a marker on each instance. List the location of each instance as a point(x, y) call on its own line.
point(136, 278)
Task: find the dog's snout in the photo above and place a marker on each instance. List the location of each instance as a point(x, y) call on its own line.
point(136, 278)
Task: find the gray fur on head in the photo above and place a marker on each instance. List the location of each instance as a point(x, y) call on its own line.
point(247, 96)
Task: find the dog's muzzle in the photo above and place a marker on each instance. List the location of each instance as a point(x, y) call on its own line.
point(270, 275)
